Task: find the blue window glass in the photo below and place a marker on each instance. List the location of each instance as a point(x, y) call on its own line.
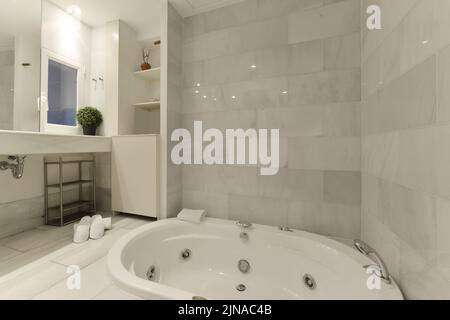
point(62, 94)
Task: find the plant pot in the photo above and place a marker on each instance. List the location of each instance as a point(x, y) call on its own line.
point(145, 66)
point(89, 131)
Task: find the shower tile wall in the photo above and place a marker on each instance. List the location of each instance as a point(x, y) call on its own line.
point(174, 107)
point(305, 80)
point(6, 89)
point(406, 143)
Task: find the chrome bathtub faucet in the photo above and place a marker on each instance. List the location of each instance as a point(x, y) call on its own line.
point(367, 250)
point(244, 225)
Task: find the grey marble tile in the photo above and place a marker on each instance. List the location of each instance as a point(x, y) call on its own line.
point(331, 20)
point(343, 52)
point(342, 187)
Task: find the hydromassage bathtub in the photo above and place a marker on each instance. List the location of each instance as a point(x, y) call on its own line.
point(217, 259)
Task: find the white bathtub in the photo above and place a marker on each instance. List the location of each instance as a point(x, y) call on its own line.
point(279, 261)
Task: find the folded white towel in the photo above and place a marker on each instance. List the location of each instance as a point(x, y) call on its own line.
point(194, 216)
point(81, 230)
point(97, 228)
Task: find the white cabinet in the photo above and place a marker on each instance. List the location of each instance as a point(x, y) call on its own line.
point(135, 175)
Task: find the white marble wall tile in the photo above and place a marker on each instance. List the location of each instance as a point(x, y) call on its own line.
point(292, 122)
point(343, 52)
point(207, 46)
point(308, 57)
point(342, 119)
point(325, 87)
point(302, 215)
point(329, 153)
point(443, 235)
point(267, 211)
point(409, 101)
point(342, 187)
point(420, 278)
point(338, 220)
point(215, 204)
point(274, 8)
point(291, 184)
point(253, 78)
point(264, 34)
point(230, 16)
point(393, 13)
point(443, 98)
point(222, 120)
point(332, 20)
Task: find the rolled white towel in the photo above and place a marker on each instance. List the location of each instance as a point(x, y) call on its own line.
point(97, 228)
point(82, 230)
point(194, 216)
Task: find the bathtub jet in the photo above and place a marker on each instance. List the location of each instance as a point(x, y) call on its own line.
point(235, 147)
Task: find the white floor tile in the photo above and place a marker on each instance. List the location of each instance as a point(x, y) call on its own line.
point(26, 285)
point(114, 293)
point(94, 279)
point(93, 250)
point(7, 253)
point(26, 258)
point(36, 238)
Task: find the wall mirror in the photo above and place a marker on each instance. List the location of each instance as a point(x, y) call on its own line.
point(93, 53)
point(20, 55)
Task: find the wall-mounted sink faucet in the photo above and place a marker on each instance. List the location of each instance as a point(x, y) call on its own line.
point(16, 164)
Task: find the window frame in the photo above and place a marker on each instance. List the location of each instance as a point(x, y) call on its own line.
point(57, 128)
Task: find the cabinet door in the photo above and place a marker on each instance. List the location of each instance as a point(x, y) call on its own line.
point(135, 175)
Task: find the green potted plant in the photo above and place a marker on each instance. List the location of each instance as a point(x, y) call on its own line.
point(90, 119)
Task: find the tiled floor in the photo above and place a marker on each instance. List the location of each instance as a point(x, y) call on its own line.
point(33, 264)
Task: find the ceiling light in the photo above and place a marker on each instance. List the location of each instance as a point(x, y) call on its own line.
point(74, 11)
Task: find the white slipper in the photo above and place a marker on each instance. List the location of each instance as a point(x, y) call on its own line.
point(97, 230)
point(82, 230)
point(107, 222)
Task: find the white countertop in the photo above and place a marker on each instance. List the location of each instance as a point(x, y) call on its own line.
point(29, 143)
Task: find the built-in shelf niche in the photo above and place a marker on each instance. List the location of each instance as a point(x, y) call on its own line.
point(149, 75)
point(148, 106)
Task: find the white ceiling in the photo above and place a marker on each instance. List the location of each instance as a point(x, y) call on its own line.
point(18, 16)
point(144, 16)
point(192, 7)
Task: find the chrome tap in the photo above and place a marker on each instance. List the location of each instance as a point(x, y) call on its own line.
point(17, 168)
point(244, 225)
point(367, 250)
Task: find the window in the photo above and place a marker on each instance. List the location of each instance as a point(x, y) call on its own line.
point(62, 94)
